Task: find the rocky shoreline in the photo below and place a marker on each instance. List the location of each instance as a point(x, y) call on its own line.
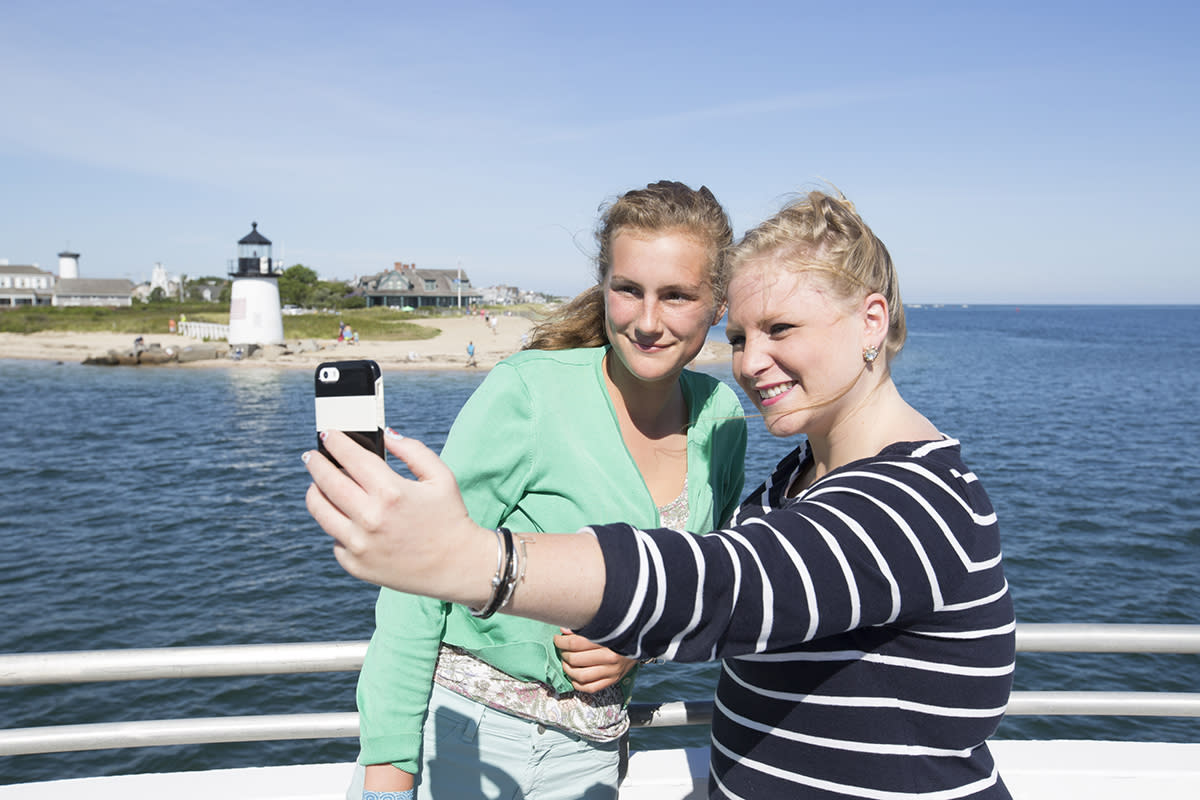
point(155, 354)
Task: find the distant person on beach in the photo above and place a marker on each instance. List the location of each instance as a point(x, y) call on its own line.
point(598, 419)
point(471, 355)
point(857, 599)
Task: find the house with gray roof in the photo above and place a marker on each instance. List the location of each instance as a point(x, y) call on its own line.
point(93, 292)
point(29, 285)
point(406, 286)
point(25, 285)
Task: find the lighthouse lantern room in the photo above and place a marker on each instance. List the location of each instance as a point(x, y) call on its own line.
point(254, 313)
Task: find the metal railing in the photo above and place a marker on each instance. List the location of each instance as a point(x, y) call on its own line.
point(210, 331)
point(278, 659)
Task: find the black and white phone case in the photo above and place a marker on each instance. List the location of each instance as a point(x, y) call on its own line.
point(349, 397)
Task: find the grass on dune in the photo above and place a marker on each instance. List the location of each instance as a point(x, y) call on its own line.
point(148, 319)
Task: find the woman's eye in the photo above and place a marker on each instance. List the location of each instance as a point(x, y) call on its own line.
point(737, 341)
point(780, 328)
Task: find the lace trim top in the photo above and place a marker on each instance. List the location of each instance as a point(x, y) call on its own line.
point(675, 513)
point(598, 716)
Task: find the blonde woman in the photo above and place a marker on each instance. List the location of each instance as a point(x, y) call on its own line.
point(598, 416)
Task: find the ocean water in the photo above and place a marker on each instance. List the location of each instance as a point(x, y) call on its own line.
point(159, 508)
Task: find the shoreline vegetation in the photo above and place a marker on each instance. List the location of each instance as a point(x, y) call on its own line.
point(395, 340)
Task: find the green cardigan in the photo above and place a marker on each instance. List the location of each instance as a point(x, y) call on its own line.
point(536, 448)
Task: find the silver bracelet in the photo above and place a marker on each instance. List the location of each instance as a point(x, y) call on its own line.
point(505, 556)
point(517, 573)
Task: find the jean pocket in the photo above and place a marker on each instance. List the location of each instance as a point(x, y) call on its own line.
point(450, 725)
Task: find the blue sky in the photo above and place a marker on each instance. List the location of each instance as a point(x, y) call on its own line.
point(1005, 153)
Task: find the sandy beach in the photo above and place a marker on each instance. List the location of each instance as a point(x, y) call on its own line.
point(447, 350)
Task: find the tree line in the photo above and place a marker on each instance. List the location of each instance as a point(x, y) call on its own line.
point(298, 285)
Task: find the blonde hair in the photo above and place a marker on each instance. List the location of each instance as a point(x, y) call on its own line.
point(820, 232)
point(660, 208)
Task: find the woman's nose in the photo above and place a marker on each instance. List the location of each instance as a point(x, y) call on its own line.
point(754, 358)
point(649, 320)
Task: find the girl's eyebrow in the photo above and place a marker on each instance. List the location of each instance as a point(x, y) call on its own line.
point(687, 287)
point(671, 287)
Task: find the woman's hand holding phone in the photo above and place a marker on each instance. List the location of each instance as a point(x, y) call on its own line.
point(415, 535)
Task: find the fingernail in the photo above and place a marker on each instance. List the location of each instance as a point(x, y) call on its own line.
point(322, 434)
point(305, 456)
point(391, 434)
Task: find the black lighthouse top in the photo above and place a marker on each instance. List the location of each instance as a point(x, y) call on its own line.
point(254, 255)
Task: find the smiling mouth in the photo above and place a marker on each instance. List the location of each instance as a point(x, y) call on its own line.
point(775, 391)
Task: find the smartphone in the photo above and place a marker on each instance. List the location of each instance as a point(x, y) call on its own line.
point(349, 398)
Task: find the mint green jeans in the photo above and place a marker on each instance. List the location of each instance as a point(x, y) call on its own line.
point(472, 751)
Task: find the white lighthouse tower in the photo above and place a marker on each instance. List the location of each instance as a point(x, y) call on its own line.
point(254, 314)
point(68, 264)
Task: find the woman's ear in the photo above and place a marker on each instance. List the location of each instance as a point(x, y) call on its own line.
point(876, 319)
point(720, 312)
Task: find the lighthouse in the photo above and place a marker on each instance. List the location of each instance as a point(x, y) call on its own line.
point(254, 313)
point(68, 264)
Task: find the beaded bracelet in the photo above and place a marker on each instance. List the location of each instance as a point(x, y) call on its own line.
point(505, 556)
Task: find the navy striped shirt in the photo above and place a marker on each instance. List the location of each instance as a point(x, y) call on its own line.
point(866, 628)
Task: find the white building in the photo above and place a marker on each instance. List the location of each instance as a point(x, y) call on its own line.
point(511, 295)
point(255, 316)
point(159, 279)
point(29, 285)
point(68, 264)
point(93, 292)
point(25, 285)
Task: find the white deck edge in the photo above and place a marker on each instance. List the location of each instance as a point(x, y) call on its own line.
point(1033, 770)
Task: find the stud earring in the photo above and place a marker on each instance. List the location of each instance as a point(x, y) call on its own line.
point(870, 353)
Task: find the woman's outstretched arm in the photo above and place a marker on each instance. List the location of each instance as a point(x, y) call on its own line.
point(415, 536)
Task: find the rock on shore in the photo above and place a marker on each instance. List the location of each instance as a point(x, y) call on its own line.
point(155, 354)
